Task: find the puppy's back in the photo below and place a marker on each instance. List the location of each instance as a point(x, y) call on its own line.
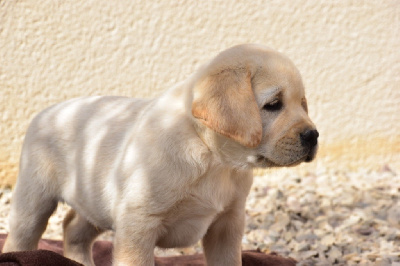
point(71, 143)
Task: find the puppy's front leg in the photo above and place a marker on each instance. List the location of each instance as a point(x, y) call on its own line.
point(134, 243)
point(222, 242)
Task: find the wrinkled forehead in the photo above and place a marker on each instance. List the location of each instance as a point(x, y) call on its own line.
point(277, 74)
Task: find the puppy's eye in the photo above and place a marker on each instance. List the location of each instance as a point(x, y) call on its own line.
point(275, 105)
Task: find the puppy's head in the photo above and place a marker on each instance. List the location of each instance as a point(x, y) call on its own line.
point(250, 106)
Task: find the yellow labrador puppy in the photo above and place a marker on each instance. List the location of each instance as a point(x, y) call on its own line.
point(163, 172)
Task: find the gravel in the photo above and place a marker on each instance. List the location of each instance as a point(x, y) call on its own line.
point(319, 218)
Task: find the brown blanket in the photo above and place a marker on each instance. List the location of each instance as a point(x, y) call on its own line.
point(51, 250)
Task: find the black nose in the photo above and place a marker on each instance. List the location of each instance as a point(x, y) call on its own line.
point(309, 137)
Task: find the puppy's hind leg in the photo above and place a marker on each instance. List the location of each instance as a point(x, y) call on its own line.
point(29, 214)
point(79, 235)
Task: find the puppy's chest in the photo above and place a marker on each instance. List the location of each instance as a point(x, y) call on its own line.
point(188, 220)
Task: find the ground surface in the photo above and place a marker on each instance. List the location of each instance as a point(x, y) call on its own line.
point(321, 218)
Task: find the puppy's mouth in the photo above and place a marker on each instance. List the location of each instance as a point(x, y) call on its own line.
point(265, 162)
point(308, 157)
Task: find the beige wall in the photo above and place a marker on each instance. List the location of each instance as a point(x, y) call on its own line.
point(347, 51)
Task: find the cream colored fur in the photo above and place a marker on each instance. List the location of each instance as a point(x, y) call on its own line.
point(164, 172)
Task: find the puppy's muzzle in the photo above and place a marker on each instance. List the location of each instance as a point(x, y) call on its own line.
point(309, 140)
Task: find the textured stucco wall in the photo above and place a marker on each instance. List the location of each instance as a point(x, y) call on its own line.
point(347, 51)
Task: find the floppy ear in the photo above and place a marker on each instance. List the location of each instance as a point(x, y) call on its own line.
point(225, 103)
